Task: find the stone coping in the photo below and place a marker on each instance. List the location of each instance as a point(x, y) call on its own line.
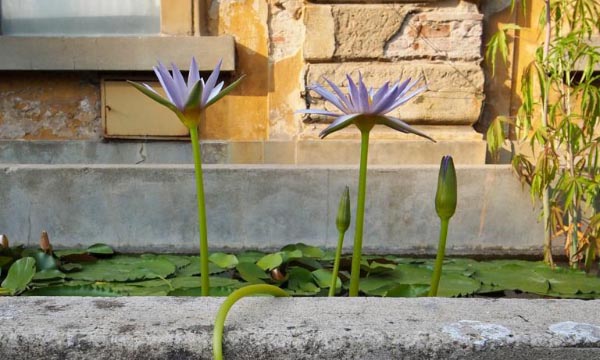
point(299, 328)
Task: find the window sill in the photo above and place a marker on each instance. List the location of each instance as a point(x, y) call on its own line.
point(114, 53)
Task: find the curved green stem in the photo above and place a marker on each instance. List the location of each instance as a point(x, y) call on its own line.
point(201, 213)
point(336, 264)
point(439, 260)
point(360, 213)
point(228, 303)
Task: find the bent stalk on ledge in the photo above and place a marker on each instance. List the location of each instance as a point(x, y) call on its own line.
point(229, 302)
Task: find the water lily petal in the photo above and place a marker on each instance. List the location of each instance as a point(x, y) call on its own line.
point(194, 73)
point(363, 95)
point(168, 84)
point(386, 100)
point(404, 99)
point(318, 112)
point(216, 90)
point(327, 95)
point(406, 85)
point(180, 82)
point(382, 91)
point(210, 83)
point(401, 126)
point(353, 96)
point(341, 96)
point(338, 124)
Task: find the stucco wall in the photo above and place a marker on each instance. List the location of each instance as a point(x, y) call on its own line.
point(283, 46)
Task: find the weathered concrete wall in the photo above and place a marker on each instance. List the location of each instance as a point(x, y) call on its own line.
point(299, 328)
point(152, 207)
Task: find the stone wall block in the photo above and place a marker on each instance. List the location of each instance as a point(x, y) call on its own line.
point(454, 96)
point(392, 31)
point(319, 41)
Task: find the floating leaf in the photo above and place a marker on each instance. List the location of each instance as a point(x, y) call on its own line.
point(193, 268)
point(570, 282)
point(100, 249)
point(251, 272)
point(270, 261)
point(305, 250)
point(84, 290)
point(125, 268)
point(512, 276)
point(408, 290)
point(19, 275)
point(301, 279)
point(454, 284)
point(71, 267)
point(43, 261)
point(50, 274)
point(179, 261)
point(323, 279)
point(250, 256)
point(222, 260)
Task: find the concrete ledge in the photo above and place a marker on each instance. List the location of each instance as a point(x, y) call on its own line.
point(153, 207)
point(299, 328)
point(114, 53)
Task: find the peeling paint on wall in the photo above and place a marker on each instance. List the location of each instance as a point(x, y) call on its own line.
point(49, 106)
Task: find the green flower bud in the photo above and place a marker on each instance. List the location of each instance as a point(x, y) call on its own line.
point(343, 216)
point(445, 198)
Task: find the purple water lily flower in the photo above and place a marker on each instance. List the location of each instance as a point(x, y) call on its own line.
point(366, 108)
point(187, 99)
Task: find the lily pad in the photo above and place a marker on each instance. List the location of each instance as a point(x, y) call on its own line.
point(455, 284)
point(408, 290)
point(323, 279)
point(100, 249)
point(19, 275)
point(251, 272)
point(270, 261)
point(125, 269)
point(222, 260)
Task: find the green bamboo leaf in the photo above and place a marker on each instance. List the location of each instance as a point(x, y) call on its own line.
point(495, 136)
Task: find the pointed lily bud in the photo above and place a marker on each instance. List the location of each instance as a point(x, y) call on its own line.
point(343, 216)
point(45, 243)
point(445, 198)
point(4, 241)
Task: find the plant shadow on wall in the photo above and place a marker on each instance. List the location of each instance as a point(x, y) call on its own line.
point(558, 119)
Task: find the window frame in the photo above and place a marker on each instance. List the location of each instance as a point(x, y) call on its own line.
point(183, 27)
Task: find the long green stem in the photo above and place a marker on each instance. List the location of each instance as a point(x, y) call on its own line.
point(336, 263)
point(439, 259)
point(201, 213)
point(228, 303)
point(360, 213)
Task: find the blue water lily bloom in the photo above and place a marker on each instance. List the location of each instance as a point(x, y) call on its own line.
point(366, 108)
point(187, 99)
